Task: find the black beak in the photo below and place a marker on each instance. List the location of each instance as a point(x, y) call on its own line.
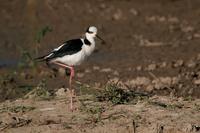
point(103, 42)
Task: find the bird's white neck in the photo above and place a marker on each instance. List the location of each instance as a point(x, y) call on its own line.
point(90, 38)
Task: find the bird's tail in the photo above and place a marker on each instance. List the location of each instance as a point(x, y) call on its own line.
point(40, 59)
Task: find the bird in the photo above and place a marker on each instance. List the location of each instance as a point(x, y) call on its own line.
point(72, 53)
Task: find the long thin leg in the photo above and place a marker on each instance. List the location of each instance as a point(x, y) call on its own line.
point(70, 87)
point(70, 81)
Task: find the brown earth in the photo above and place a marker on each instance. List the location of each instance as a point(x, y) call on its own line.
point(153, 115)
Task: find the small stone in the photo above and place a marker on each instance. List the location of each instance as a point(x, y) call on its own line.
point(173, 20)
point(187, 128)
point(175, 80)
point(117, 15)
point(80, 75)
point(96, 67)
point(151, 67)
point(161, 19)
point(163, 65)
point(106, 70)
point(139, 68)
point(102, 6)
point(178, 63)
point(196, 35)
point(197, 81)
point(191, 64)
point(139, 81)
point(61, 92)
point(166, 80)
point(187, 29)
point(87, 71)
point(116, 73)
point(134, 12)
point(149, 88)
point(151, 19)
point(198, 57)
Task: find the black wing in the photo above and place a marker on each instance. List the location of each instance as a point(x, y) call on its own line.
point(67, 48)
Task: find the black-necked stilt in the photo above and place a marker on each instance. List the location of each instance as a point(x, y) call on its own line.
point(72, 53)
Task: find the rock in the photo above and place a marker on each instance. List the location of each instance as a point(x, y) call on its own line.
point(116, 73)
point(151, 67)
point(106, 70)
point(80, 75)
point(134, 12)
point(197, 81)
point(163, 65)
point(187, 128)
point(161, 19)
point(198, 57)
point(61, 92)
point(191, 64)
point(173, 20)
point(96, 67)
point(196, 35)
point(187, 29)
point(149, 88)
point(139, 68)
point(175, 80)
point(150, 19)
point(157, 84)
point(87, 71)
point(178, 63)
point(117, 15)
point(148, 43)
point(139, 81)
point(166, 80)
point(162, 82)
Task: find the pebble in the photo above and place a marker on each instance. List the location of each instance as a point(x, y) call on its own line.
point(117, 15)
point(151, 67)
point(96, 67)
point(163, 65)
point(116, 73)
point(173, 20)
point(61, 92)
point(80, 75)
point(187, 128)
point(134, 12)
point(87, 70)
point(149, 88)
point(106, 70)
point(197, 81)
point(178, 63)
point(139, 81)
point(191, 64)
point(139, 68)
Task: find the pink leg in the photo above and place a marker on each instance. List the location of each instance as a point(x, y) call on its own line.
point(70, 87)
point(70, 81)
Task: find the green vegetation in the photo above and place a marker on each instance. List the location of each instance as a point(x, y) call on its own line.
point(118, 95)
point(26, 60)
point(167, 106)
point(42, 32)
point(39, 92)
point(16, 109)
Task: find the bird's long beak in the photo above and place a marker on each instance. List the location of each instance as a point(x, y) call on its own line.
point(103, 42)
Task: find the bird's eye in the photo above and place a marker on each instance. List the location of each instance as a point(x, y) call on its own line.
point(90, 32)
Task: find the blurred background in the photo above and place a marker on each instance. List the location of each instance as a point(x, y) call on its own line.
point(152, 45)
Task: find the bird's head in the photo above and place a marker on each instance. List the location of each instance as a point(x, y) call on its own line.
point(91, 32)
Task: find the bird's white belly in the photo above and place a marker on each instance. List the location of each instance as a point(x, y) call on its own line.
point(73, 60)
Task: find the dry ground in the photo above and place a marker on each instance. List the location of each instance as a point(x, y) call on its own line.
point(150, 115)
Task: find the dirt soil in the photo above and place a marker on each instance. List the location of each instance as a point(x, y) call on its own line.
point(152, 115)
point(151, 47)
